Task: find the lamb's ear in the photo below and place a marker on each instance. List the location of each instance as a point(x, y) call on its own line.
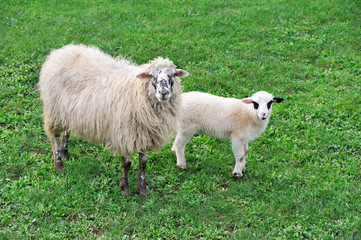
point(143, 75)
point(247, 100)
point(277, 99)
point(181, 73)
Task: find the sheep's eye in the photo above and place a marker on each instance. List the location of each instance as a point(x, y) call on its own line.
point(256, 105)
point(171, 82)
point(154, 82)
point(269, 104)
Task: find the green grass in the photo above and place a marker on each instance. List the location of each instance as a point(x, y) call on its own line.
point(303, 177)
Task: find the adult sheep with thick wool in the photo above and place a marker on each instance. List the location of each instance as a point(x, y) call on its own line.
point(240, 120)
point(128, 107)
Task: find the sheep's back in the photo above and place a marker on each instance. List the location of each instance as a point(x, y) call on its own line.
point(74, 68)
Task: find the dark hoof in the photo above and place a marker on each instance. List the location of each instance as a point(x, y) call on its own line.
point(125, 190)
point(143, 191)
point(126, 193)
point(65, 154)
point(237, 176)
point(144, 194)
point(59, 167)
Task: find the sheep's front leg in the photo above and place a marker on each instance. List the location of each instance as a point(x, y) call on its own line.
point(124, 184)
point(65, 145)
point(240, 151)
point(142, 187)
point(58, 162)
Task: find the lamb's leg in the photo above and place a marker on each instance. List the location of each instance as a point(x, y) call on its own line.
point(239, 151)
point(244, 158)
point(65, 144)
point(58, 162)
point(124, 185)
point(178, 148)
point(142, 187)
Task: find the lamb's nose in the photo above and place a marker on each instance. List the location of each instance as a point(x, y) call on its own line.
point(263, 115)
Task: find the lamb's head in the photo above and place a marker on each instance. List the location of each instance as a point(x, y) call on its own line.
point(262, 103)
point(162, 73)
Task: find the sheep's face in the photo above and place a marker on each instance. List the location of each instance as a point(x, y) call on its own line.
point(163, 80)
point(262, 103)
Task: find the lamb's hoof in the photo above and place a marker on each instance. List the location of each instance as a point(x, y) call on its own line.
point(183, 168)
point(237, 176)
point(144, 193)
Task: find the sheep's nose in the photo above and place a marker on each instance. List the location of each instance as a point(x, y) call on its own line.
point(263, 115)
point(164, 91)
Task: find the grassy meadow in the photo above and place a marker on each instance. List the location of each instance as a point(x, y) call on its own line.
point(303, 177)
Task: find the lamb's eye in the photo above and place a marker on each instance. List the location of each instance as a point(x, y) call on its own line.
point(256, 105)
point(269, 104)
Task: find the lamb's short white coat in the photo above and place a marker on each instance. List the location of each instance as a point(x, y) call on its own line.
point(225, 118)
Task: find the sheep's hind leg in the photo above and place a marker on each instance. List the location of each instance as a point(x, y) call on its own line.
point(65, 145)
point(142, 187)
point(53, 132)
point(58, 162)
point(124, 184)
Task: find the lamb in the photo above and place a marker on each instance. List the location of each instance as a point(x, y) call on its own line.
point(240, 121)
point(127, 107)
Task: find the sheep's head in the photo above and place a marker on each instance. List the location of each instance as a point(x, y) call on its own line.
point(262, 103)
point(162, 73)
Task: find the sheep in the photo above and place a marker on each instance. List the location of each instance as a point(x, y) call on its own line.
point(127, 107)
point(240, 121)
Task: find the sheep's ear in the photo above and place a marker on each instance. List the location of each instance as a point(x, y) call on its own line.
point(181, 73)
point(247, 100)
point(277, 99)
point(143, 75)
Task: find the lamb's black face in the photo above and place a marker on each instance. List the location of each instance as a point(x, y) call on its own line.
point(255, 105)
point(262, 103)
point(269, 104)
